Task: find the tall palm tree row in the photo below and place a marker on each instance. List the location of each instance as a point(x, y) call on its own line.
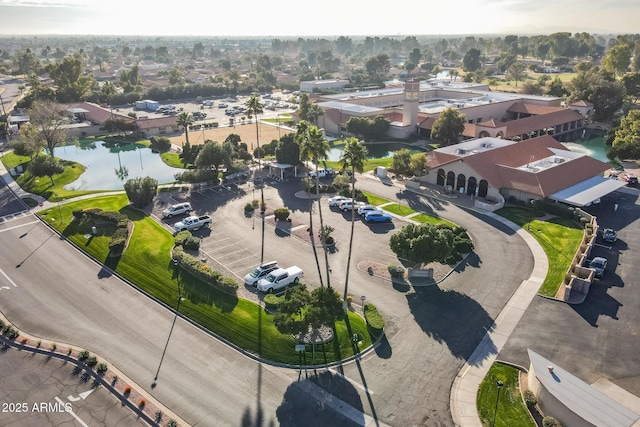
point(301, 137)
point(354, 157)
point(255, 107)
point(314, 147)
point(185, 119)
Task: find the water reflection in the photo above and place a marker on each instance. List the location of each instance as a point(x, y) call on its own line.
point(128, 161)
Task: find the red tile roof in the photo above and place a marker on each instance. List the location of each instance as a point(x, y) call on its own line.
point(97, 113)
point(534, 123)
point(499, 166)
point(533, 109)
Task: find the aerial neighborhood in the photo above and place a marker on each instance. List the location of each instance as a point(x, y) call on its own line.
point(333, 231)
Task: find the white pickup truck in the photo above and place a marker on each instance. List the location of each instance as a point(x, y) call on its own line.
point(280, 278)
point(193, 223)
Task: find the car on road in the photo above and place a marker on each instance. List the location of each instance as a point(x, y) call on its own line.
point(347, 205)
point(629, 178)
point(599, 264)
point(377, 217)
point(177, 209)
point(365, 209)
point(609, 235)
point(335, 201)
point(260, 272)
point(280, 278)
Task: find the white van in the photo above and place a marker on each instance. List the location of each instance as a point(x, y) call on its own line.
point(178, 209)
point(322, 172)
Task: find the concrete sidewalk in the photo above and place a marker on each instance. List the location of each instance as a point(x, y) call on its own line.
point(464, 390)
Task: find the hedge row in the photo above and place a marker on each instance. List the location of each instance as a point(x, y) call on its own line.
point(187, 240)
point(373, 318)
point(202, 271)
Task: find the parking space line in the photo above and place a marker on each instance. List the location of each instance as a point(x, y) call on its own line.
point(241, 260)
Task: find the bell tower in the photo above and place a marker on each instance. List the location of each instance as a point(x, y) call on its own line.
point(410, 106)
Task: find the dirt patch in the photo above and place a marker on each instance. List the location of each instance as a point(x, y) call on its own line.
point(247, 133)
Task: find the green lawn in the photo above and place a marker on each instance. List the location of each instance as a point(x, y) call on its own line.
point(425, 218)
point(147, 263)
point(375, 200)
point(399, 209)
point(560, 238)
point(511, 409)
point(42, 185)
point(172, 159)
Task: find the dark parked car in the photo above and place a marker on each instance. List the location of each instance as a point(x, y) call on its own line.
point(599, 264)
point(629, 178)
point(609, 235)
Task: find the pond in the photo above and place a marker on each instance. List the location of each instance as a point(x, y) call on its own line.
point(109, 167)
point(376, 151)
point(594, 147)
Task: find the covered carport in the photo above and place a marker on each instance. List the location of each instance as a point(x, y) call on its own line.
point(281, 167)
point(587, 191)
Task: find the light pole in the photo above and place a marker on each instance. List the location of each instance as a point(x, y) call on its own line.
point(495, 411)
point(59, 211)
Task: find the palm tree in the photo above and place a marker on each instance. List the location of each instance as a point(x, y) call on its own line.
point(354, 156)
point(185, 119)
point(315, 147)
point(301, 137)
point(255, 107)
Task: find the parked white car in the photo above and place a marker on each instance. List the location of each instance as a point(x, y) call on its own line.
point(260, 272)
point(365, 209)
point(322, 172)
point(347, 205)
point(334, 202)
point(177, 209)
point(280, 278)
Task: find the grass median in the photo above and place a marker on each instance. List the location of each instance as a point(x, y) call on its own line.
point(147, 263)
point(559, 237)
point(508, 409)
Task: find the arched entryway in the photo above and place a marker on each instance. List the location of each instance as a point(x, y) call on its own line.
point(461, 183)
point(451, 179)
point(441, 177)
point(472, 185)
point(483, 188)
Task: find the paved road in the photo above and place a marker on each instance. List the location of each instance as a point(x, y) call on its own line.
point(597, 338)
point(430, 331)
point(38, 391)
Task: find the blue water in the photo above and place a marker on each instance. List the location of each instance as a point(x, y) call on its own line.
point(593, 147)
point(376, 151)
point(108, 168)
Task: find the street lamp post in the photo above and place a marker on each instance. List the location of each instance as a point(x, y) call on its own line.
point(499, 384)
point(59, 211)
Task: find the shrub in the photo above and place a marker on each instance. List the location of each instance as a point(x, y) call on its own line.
point(101, 368)
point(249, 207)
point(172, 423)
point(160, 143)
point(272, 302)
point(530, 399)
point(91, 361)
point(550, 422)
point(11, 333)
point(1, 325)
point(360, 197)
point(349, 299)
point(39, 343)
point(142, 402)
point(83, 355)
point(282, 214)
point(24, 341)
point(373, 318)
point(197, 268)
point(54, 346)
point(187, 240)
point(462, 245)
point(127, 389)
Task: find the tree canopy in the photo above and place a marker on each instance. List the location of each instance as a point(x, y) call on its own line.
point(425, 243)
point(141, 191)
point(626, 142)
point(448, 127)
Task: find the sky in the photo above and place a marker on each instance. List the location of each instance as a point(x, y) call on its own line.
point(282, 18)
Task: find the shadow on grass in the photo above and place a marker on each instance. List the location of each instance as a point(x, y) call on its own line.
point(199, 292)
